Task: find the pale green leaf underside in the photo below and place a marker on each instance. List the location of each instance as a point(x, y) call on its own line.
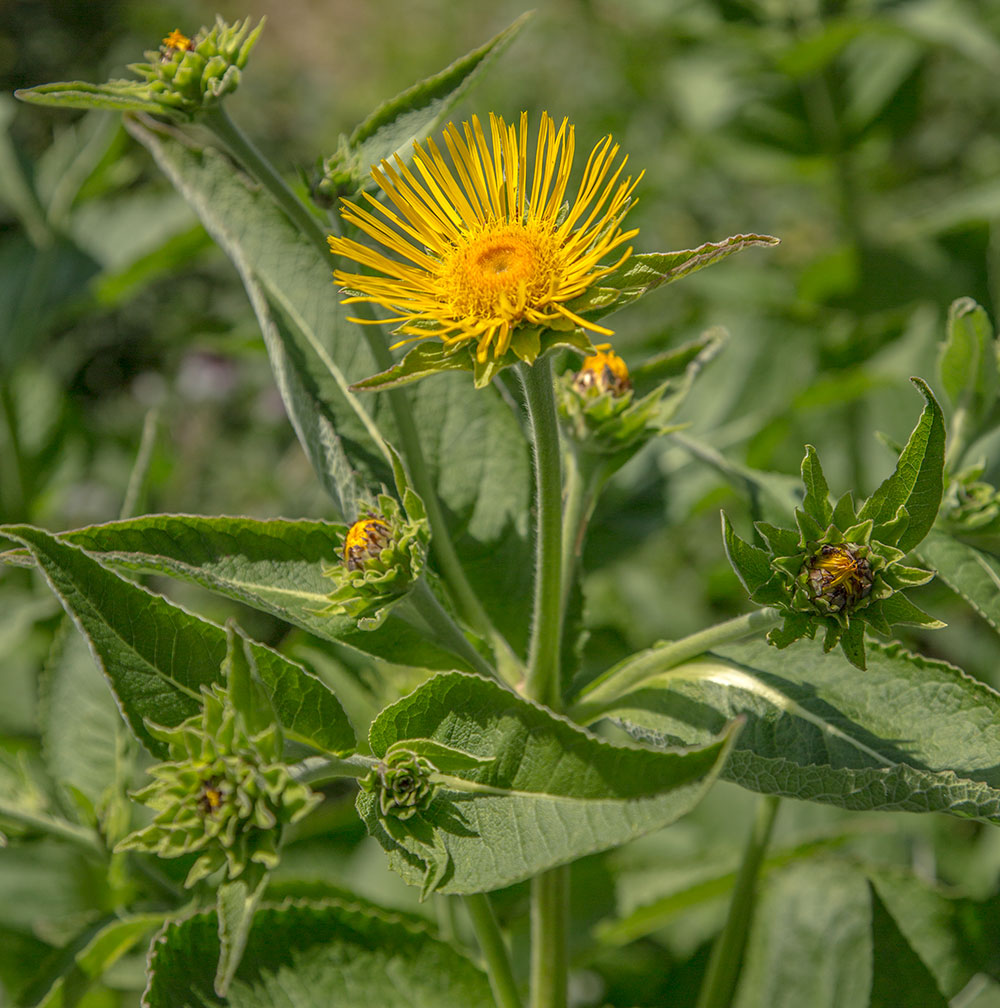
point(313, 956)
point(273, 565)
point(910, 734)
point(552, 793)
point(967, 571)
point(120, 95)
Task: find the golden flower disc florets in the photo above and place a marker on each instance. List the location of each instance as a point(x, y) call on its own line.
point(839, 575)
point(484, 241)
point(366, 538)
point(178, 40)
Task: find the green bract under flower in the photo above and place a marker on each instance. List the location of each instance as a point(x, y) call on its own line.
point(224, 792)
point(383, 555)
point(841, 569)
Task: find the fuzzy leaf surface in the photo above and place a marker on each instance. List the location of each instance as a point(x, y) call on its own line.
point(274, 565)
point(157, 656)
point(551, 792)
point(970, 572)
point(313, 955)
point(909, 734)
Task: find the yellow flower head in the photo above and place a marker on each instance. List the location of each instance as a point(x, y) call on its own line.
point(178, 40)
point(605, 371)
point(483, 246)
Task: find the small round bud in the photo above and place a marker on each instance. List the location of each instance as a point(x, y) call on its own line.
point(403, 782)
point(365, 539)
point(604, 371)
point(839, 576)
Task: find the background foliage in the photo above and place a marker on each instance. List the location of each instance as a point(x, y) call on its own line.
point(863, 134)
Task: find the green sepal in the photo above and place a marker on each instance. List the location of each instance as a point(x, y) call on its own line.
point(892, 531)
point(844, 512)
point(918, 479)
point(750, 563)
point(796, 625)
point(809, 529)
point(782, 542)
point(391, 129)
point(643, 273)
point(243, 684)
point(899, 609)
point(852, 643)
point(874, 616)
point(816, 502)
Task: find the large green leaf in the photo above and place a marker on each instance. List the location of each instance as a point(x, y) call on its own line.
point(157, 656)
point(966, 570)
point(550, 793)
point(276, 566)
point(314, 955)
point(910, 734)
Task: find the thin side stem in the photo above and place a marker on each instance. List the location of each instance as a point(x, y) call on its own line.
point(316, 770)
point(595, 697)
point(494, 949)
point(549, 920)
point(543, 658)
point(63, 829)
point(581, 493)
point(727, 954)
point(140, 468)
point(446, 630)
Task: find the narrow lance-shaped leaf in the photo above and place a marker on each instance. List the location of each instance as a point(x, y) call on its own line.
point(917, 481)
point(817, 499)
point(750, 563)
point(275, 566)
point(157, 656)
point(819, 730)
point(298, 953)
point(549, 793)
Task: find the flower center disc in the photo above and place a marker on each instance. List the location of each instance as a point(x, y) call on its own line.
point(498, 274)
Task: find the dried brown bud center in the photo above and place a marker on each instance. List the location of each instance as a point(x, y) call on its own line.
point(366, 538)
point(839, 576)
point(605, 371)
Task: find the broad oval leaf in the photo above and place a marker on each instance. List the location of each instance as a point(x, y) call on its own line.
point(273, 565)
point(550, 793)
point(313, 955)
point(909, 734)
point(157, 656)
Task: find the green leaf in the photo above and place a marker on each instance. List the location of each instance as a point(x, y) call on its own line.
point(157, 656)
point(446, 759)
point(287, 279)
point(816, 502)
point(968, 361)
point(751, 563)
point(88, 957)
point(969, 572)
point(917, 481)
point(899, 976)
point(236, 902)
point(643, 273)
point(810, 943)
point(275, 566)
point(818, 729)
point(303, 955)
point(120, 95)
point(427, 358)
point(551, 793)
point(393, 127)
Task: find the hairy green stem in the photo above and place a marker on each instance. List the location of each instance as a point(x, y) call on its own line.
point(494, 949)
point(727, 954)
point(543, 657)
point(445, 629)
point(241, 147)
point(632, 672)
point(316, 770)
point(549, 921)
point(583, 487)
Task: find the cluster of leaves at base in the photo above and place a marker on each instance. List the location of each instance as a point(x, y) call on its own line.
point(867, 542)
point(179, 79)
point(225, 792)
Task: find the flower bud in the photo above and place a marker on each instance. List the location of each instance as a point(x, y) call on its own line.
point(604, 371)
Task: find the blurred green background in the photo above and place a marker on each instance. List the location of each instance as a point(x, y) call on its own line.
point(865, 135)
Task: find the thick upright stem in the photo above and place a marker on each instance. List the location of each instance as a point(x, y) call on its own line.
point(724, 964)
point(494, 949)
point(549, 919)
point(543, 658)
point(241, 147)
